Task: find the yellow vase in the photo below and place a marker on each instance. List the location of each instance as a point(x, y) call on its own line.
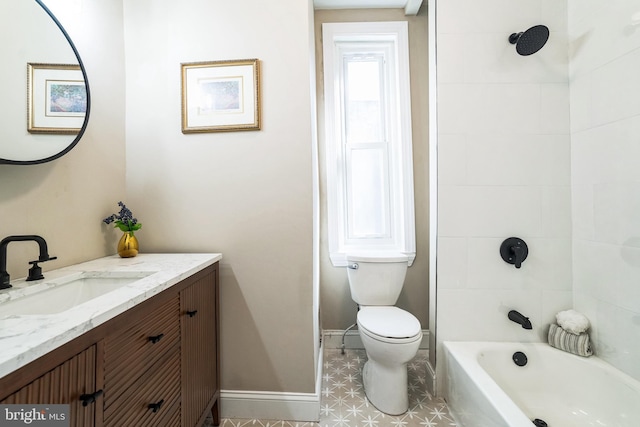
point(128, 245)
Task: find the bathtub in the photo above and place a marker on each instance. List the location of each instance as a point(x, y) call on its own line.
point(485, 388)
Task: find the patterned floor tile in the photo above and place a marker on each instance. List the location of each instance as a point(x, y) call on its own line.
point(344, 404)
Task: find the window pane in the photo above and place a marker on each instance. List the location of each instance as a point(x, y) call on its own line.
point(363, 98)
point(367, 200)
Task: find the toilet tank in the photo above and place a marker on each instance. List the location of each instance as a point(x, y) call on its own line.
point(376, 280)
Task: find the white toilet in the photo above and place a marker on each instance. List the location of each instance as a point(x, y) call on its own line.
point(391, 336)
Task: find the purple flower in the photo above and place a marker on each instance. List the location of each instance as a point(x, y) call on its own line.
point(124, 220)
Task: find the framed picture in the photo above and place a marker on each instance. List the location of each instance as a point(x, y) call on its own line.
point(221, 96)
point(56, 98)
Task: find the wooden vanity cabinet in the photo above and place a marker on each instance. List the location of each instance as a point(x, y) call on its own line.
point(65, 384)
point(156, 364)
point(199, 308)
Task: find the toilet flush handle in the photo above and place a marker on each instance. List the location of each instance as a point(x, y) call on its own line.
point(353, 266)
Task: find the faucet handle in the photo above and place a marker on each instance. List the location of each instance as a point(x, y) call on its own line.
point(514, 250)
point(48, 258)
point(35, 272)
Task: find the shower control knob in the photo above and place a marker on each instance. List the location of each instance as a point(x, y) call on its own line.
point(514, 251)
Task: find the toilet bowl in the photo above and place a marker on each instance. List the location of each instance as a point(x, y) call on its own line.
point(391, 338)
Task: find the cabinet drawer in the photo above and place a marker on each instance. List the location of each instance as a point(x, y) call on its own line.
point(158, 385)
point(130, 352)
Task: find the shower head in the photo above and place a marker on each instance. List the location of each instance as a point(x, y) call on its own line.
point(530, 41)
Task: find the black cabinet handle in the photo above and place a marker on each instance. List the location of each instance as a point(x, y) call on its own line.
point(155, 407)
point(192, 313)
point(154, 339)
point(87, 399)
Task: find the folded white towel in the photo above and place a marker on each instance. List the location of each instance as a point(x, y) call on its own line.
point(572, 321)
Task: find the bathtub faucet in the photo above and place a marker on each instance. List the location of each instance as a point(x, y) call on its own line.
point(519, 318)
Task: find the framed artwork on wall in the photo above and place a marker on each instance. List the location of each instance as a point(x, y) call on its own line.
point(220, 96)
point(56, 98)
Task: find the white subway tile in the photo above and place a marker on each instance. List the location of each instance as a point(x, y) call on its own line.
point(615, 89)
point(471, 16)
point(453, 107)
point(451, 58)
point(616, 211)
point(580, 102)
point(554, 105)
point(556, 211)
point(554, 14)
point(490, 58)
point(505, 109)
point(583, 224)
point(627, 341)
point(518, 159)
point(481, 315)
point(452, 262)
point(452, 159)
point(594, 270)
point(503, 211)
point(452, 211)
point(628, 291)
point(487, 269)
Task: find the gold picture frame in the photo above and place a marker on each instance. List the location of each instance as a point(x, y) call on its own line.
point(56, 98)
point(221, 96)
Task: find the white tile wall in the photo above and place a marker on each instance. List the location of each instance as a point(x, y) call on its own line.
point(503, 169)
point(546, 148)
point(605, 124)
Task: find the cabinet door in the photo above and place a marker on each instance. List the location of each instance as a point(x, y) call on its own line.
point(200, 350)
point(65, 384)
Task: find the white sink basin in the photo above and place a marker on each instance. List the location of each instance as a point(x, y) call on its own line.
point(68, 292)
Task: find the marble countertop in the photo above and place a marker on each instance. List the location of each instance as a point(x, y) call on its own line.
point(24, 338)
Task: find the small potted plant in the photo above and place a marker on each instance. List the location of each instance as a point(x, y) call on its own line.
point(124, 220)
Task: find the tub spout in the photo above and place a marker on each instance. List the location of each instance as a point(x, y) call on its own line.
point(519, 318)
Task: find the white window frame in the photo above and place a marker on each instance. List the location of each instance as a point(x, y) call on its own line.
point(339, 39)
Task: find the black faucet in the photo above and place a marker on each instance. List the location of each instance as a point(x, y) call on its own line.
point(519, 318)
point(35, 272)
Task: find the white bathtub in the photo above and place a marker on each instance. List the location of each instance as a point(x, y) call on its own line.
point(485, 388)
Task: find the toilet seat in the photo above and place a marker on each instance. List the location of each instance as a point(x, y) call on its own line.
point(389, 324)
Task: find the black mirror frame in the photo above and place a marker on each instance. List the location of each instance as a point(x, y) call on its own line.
point(86, 117)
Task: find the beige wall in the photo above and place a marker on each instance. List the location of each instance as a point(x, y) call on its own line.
point(247, 195)
point(65, 200)
point(338, 311)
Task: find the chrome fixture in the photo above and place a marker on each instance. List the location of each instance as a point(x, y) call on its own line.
point(35, 272)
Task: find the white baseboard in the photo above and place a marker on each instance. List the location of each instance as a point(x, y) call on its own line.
point(332, 339)
point(268, 405)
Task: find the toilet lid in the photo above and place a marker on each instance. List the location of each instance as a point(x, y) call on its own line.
point(389, 322)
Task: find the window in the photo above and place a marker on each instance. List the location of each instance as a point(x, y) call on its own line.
point(368, 138)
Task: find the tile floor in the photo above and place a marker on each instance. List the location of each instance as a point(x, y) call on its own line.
point(344, 404)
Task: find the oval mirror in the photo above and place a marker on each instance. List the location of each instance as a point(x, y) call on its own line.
point(45, 88)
